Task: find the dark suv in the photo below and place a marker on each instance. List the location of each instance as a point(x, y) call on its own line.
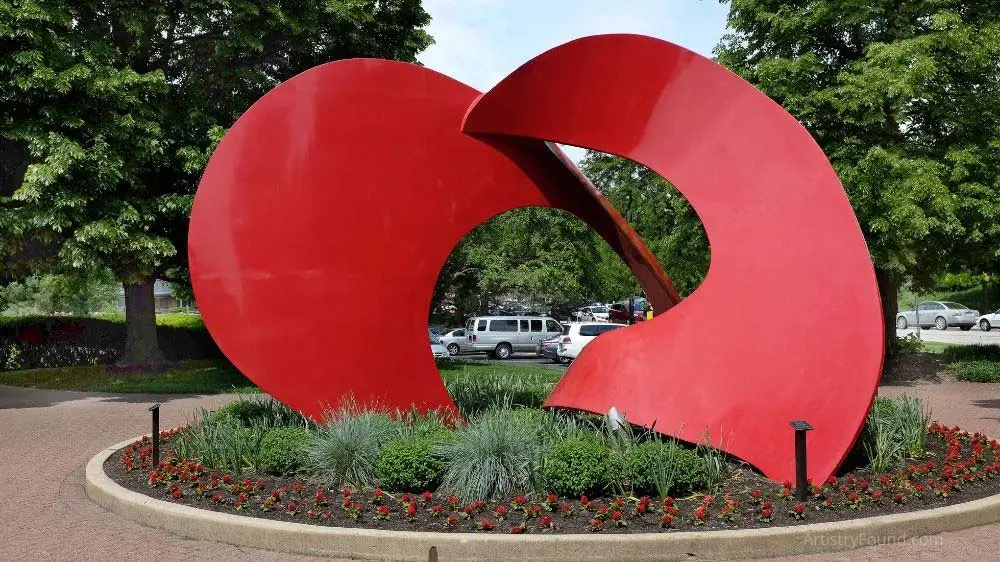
point(618, 312)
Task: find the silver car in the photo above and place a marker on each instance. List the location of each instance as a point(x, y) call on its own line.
point(437, 350)
point(501, 336)
point(454, 341)
point(989, 321)
point(938, 314)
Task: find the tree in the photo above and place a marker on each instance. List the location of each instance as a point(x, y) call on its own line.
point(112, 107)
point(60, 293)
point(904, 97)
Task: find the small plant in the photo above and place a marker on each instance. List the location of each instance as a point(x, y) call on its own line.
point(494, 456)
point(408, 465)
point(716, 469)
point(798, 511)
point(282, 450)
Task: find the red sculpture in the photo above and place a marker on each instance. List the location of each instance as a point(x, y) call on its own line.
point(327, 211)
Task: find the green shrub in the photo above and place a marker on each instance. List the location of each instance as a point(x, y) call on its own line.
point(494, 456)
point(580, 465)
point(282, 450)
point(409, 465)
point(477, 392)
point(661, 469)
point(976, 371)
point(955, 353)
point(347, 447)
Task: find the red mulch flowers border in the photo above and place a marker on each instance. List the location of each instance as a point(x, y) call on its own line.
point(959, 467)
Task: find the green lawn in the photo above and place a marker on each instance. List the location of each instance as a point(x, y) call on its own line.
point(214, 377)
point(453, 370)
point(194, 377)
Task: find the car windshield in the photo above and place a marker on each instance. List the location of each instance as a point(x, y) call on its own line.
point(434, 338)
point(599, 309)
point(955, 305)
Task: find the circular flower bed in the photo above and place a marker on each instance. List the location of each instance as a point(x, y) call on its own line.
point(956, 466)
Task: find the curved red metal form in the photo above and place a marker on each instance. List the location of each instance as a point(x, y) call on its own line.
point(787, 324)
point(325, 215)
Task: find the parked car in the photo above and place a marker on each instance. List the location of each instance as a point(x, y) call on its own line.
point(988, 321)
point(577, 335)
point(437, 348)
point(618, 312)
point(454, 341)
point(594, 313)
point(500, 336)
point(549, 349)
point(938, 314)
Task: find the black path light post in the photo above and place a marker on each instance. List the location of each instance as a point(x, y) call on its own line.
point(800, 427)
point(155, 435)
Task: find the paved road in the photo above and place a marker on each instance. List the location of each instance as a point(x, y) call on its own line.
point(47, 436)
point(974, 336)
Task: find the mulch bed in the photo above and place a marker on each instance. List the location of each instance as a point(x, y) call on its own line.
point(958, 467)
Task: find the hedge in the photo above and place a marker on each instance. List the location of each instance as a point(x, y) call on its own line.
point(64, 341)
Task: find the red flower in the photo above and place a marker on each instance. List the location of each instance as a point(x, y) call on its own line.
point(551, 498)
point(756, 494)
point(452, 501)
point(227, 479)
point(501, 512)
point(292, 508)
point(799, 508)
point(595, 525)
point(320, 497)
point(786, 484)
point(382, 513)
point(217, 497)
point(699, 515)
point(485, 525)
point(406, 498)
point(437, 510)
point(519, 530)
point(546, 522)
point(519, 501)
point(411, 511)
point(451, 522)
point(668, 501)
point(346, 492)
point(427, 496)
point(298, 487)
point(666, 520)
point(176, 494)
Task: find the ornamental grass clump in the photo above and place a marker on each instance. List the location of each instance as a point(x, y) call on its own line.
point(496, 455)
point(346, 448)
point(223, 442)
point(896, 428)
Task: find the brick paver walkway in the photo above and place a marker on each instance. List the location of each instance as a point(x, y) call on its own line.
point(47, 436)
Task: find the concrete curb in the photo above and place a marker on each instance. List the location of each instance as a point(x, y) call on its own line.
point(406, 545)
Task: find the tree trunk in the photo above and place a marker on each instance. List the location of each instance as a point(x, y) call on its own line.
point(141, 345)
point(888, 289)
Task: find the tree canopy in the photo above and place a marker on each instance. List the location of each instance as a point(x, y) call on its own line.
point(904, 97)
point(112, 107)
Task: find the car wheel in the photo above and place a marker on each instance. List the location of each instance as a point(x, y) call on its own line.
point(491, 355)
point(901, 323)
point(563, 360)
point(502, 351)
point(453, 348)
point(984, 325)
point(940, 323)
point(966, 328)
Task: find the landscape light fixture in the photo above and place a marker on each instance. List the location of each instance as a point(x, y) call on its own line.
point(800, 427)
point(155, 435)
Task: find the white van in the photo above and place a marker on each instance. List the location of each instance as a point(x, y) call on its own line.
point(500, 336)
